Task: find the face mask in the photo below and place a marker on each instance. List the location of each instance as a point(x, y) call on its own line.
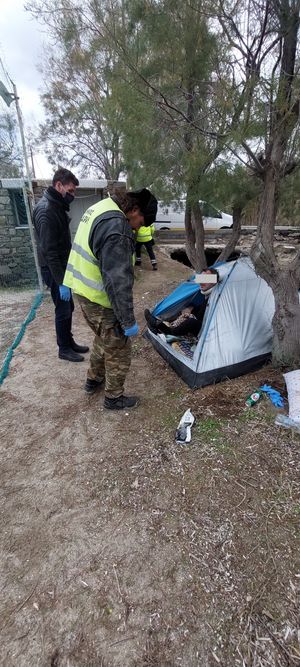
point(206, 292)
point(68, 198)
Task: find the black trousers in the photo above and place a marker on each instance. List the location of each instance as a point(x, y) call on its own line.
point(63, 312)
point(189, 326)
point(149, 247)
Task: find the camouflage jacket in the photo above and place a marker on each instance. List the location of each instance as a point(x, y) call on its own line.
point(112, 242)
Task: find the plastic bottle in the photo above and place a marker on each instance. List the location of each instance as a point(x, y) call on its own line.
point(254, 398)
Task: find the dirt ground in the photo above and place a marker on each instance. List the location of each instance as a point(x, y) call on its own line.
point(14, 308)
point(120, 548)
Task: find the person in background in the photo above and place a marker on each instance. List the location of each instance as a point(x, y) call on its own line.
point(51, 222)
point(100, 271)
point(144, 236)
point(193, 316)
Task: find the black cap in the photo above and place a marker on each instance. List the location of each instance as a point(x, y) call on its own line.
point(147, 203)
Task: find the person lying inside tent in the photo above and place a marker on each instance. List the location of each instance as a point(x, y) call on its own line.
point(192, 316)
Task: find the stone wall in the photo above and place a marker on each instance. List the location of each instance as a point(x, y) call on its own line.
point(17, 267)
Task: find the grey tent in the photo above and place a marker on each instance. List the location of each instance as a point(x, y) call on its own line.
point(236, 335)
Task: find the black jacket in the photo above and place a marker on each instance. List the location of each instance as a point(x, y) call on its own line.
point(51, 223)
point(112, 241)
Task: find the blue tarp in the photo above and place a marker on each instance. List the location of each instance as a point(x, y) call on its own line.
point(185, 294)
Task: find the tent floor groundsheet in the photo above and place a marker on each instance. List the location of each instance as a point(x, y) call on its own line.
point(196, 380)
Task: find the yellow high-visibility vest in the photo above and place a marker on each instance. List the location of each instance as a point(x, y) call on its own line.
point(145, 234)
point(83, 274)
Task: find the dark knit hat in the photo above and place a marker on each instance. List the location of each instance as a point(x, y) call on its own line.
point(147, 203)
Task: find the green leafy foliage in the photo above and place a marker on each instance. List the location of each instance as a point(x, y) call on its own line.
point(10, 159)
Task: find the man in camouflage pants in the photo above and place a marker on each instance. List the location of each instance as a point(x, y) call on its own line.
point(111, 352)
point(100, 271)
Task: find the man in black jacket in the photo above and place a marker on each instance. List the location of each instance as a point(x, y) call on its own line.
point(51, 222)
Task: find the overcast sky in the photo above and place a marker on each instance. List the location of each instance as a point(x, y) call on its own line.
point(21, 48)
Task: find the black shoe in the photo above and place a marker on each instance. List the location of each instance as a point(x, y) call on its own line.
point(79, 348)
point(153, 322)
point(91, 386)
point(120, 403)
point(69, 355)
point(154, 267)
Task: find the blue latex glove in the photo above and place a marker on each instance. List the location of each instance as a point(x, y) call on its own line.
point(132, 331)
point(273, 394)
point(64, 293)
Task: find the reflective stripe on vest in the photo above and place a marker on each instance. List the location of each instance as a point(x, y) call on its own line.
point(84, 254)
point(83, 279)
point(83, 274)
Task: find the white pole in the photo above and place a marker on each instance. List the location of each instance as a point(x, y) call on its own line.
point(25, 193)
point(19, 114)
point(31, 230)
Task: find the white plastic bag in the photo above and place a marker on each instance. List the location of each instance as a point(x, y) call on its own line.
point(292, 380)
point(183, 432)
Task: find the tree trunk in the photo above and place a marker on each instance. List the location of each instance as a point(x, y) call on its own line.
point(283, 281)
point(234, 236)
point(262, 252)
point(286, 322)
point(195, 237)
point(197, 221)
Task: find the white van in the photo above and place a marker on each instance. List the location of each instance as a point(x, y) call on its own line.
point(172, 216)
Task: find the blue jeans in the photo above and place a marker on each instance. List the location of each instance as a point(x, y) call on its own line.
point(63, 312)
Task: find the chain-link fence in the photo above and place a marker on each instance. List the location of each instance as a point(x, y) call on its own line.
point(20, 290)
